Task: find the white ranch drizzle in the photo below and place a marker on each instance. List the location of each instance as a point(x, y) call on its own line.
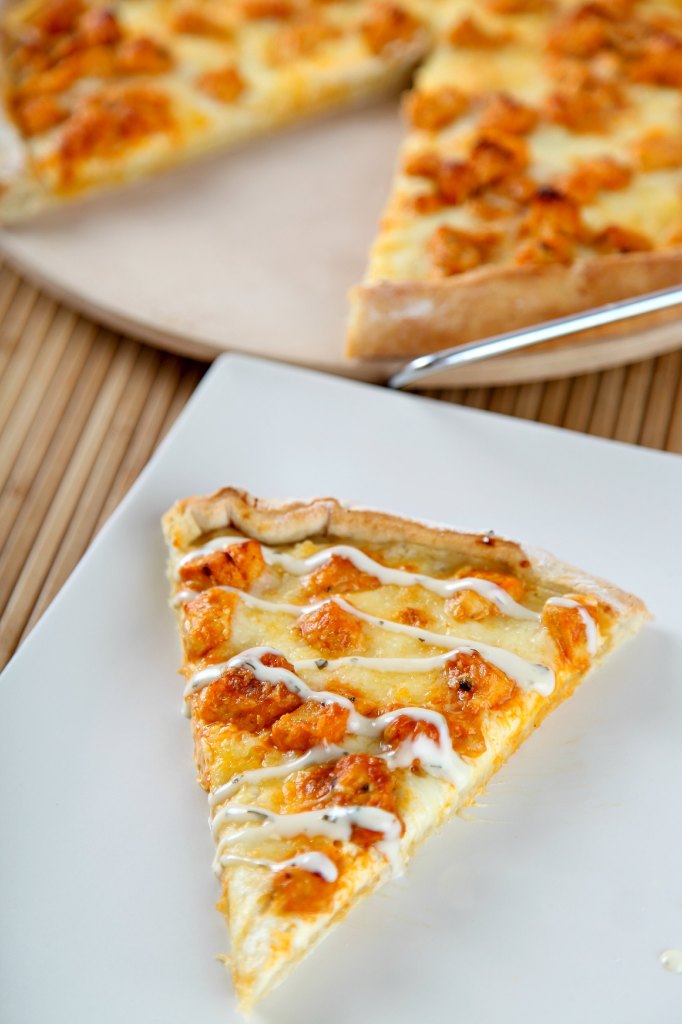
point(442, 760)
point(316, 755)
point(386, 576)
point(312, 861)
point(421, 747)
point(527, 675)
point(332, 822)
point(591, 630)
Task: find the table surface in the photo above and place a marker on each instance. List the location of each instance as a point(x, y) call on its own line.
point(82, 410)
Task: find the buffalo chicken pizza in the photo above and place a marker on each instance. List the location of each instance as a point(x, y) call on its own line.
point(354, 679)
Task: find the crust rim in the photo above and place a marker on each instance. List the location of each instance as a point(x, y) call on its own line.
point(288, 521)
point(397, 319)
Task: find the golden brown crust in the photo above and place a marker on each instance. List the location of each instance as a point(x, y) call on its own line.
point(287, 522)
point(410, 318)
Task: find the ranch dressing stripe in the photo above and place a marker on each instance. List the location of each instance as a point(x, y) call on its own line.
point(528, 675)
point(512, 662)
point(591, 628)
point(331, 822)
point(316, 755)
point(445, 761)
point(386, 576)
point(313, 862)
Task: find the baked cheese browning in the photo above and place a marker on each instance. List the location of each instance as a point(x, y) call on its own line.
point(373, 674)
point(101, 93)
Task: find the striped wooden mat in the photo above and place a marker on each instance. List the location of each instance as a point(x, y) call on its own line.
point(82, 410)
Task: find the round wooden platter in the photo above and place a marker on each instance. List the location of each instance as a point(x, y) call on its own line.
point(255, 251)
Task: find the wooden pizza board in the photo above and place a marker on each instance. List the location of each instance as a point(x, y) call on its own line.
point(255, 250)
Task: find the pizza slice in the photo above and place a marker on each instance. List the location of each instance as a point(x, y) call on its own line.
point(354, 679)
point(541, 174)
point(98, 94)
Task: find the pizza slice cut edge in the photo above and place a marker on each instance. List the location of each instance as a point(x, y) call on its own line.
point(328, 793)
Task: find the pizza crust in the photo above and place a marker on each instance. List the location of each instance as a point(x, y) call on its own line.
point(400, 319)
point(287, 522)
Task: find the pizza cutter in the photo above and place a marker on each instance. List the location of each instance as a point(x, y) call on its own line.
point(511, 341)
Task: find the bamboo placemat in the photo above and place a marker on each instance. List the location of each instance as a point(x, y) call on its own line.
point(82, 410)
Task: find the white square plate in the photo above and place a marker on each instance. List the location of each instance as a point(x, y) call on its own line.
point(552, 902)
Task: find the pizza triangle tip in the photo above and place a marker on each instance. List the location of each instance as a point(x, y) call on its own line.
point(354, 679)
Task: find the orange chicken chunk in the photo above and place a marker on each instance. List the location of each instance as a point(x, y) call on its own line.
point(331, 629)
point(238, 565)
point(37, 114)
point(309, 726)
point(454, 251)
point(468, 604)
point(338, 575)
point(387, 23)
point(619, 239)
point(225, 84)
point(241, 700)
point(506, 114)
point(568, 631)
point(432, 110)
point(355, 780)
point(143, 56)
point(468, 31)
point(591, 176)
point(109, 123)
point(477, 685)
point(207, 623)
